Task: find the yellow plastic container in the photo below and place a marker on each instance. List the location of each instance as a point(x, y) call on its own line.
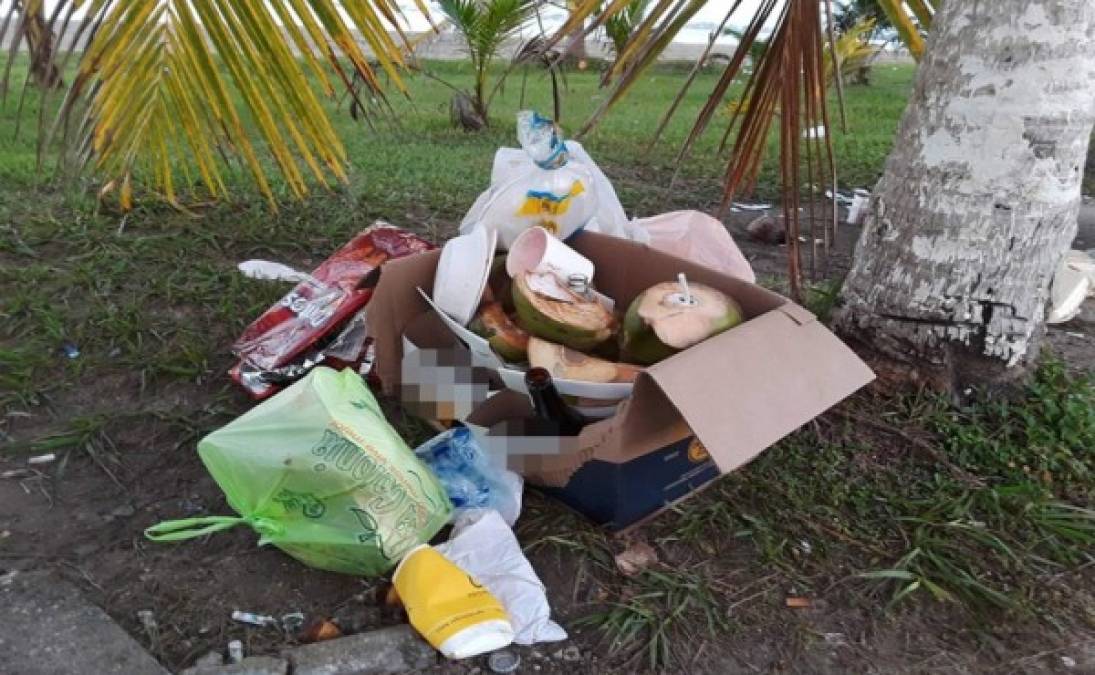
point(453, 611)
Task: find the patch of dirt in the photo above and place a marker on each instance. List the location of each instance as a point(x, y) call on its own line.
point(91, 528)
point(1073, 342)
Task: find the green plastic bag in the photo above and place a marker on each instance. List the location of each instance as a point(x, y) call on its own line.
point(319, 473)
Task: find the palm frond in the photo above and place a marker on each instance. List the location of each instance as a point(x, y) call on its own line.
point(852, 49)
point(485, 26)
point(788, 82)
point(647, 42)
point(620, 27)
point(464, 15)
point(906, 22)
point(165, 92)
point(700, 61)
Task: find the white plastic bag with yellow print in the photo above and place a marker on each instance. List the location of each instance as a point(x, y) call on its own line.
point(547, 182)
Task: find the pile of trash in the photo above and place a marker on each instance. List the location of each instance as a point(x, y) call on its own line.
point(616, 364)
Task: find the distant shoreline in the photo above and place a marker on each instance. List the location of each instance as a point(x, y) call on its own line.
point(447, 47)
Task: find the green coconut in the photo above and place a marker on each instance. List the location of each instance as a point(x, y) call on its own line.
point(506, 338)
point(661, 321)
point(577, 322)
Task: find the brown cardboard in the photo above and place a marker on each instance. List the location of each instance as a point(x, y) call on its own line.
point(738, 392)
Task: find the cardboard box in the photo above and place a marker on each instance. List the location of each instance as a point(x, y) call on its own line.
point(703, 412)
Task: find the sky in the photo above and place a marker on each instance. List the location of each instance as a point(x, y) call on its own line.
point(697, 30)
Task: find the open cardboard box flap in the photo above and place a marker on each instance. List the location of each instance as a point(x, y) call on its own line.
point(738, 392)
point(743, 390)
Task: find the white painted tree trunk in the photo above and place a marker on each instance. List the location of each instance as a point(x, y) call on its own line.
point(980, 194)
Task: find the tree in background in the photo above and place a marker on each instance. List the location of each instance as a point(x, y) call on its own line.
point(620, 27)
point(851, 12)
point(854, 51)
point(484, 26)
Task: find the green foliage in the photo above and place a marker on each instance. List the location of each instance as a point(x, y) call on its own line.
point(851, 12)
point(620, 27)
point(164, 93)
point(485, 25)
point(1044, 437)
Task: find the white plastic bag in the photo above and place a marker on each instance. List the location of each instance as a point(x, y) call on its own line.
point(547, 182)
point(693, 236)
point(486, 548)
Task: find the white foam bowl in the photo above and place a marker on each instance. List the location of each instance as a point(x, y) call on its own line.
point(462, 273)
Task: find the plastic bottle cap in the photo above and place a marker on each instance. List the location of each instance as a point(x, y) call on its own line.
point(504, 661)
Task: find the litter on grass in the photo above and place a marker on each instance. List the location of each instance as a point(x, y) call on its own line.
point(1073, 283)
point(451, 607)
point(743, 206)
point(470, 479)
point(254, 619)
point(296, 333)
point(620, 319)
point(318, 472)
point(485, 546)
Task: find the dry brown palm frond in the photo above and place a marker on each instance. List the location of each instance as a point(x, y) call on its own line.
point(787, 84)
point(535, 51)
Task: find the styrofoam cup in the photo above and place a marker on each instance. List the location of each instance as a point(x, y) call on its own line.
point(537, 250)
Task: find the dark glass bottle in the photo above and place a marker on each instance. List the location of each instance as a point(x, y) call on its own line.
point(550, 406)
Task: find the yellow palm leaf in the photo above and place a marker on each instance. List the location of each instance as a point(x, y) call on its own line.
point(853, 49)
point(905, 25)
point(166, 90)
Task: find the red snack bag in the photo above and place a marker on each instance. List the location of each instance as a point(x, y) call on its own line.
point(318, 307)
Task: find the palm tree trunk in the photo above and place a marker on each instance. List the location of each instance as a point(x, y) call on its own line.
point(980, 194)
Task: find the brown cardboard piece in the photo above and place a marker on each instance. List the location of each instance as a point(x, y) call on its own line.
point(738, 392)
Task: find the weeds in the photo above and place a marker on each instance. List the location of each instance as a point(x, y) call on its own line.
point(1044, 437)
point(87, 434)
point(985, 547)
point(19, 384)
point(660, 608)
point(980, 548)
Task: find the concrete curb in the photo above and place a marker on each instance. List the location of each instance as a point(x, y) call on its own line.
point(50, 627)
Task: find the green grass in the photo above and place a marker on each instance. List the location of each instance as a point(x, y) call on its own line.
point(155, 291)
point(420, 163)
point(979, 527)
